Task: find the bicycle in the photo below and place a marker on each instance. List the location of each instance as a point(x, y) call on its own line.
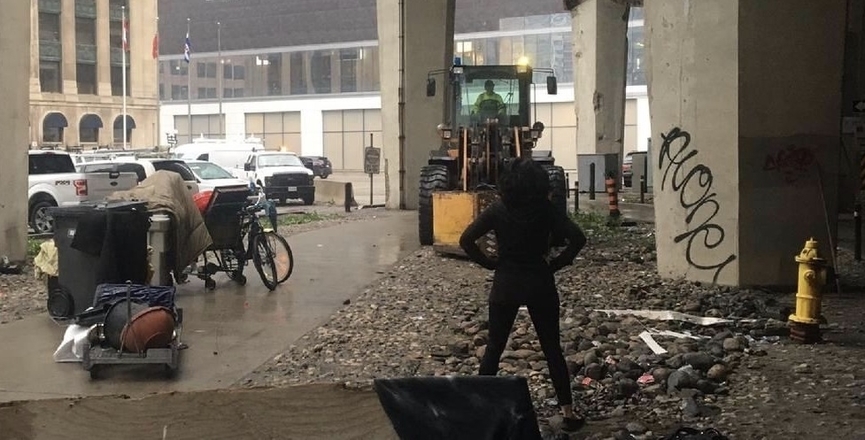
point(241, 237)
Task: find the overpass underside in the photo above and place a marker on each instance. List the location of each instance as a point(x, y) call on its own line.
point(746, 101)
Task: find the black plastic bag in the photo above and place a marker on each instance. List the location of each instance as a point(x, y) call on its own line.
point(459, 407)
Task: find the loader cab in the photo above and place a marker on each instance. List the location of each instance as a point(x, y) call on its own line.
point(470, 103)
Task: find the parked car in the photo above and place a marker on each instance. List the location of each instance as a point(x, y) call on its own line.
point(144, 168)
point(627, 169)
point(54, 181)
point(282, 176)
point(211, 175)
point(320, 165)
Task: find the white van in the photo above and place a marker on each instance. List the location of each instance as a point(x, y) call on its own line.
point(225, 153)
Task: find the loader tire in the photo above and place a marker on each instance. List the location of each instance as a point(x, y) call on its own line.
point(558, 196)
point(432, 178)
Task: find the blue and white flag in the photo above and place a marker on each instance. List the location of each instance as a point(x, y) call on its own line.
point(187, 48)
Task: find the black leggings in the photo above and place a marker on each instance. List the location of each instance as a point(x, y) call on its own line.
point(545, 318)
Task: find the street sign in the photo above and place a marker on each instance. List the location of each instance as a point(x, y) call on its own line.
point(372, 160)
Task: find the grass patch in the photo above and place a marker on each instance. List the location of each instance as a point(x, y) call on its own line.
point(303, 218)
point(33, 246)
point(597, 224)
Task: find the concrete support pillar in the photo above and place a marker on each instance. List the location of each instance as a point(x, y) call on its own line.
point(599, 33)
point(426, 34)
point(745, 101)
point(14, 115)
point(70, 57)
point(103, 49)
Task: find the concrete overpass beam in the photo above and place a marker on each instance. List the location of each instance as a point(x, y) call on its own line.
point(600, 61)
point(745, 101)
point(415, 37)
point(14, 115)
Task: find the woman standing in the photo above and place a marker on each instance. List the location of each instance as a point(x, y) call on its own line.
point(524, 220)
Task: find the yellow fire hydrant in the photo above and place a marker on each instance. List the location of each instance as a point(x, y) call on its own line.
point(805, 323)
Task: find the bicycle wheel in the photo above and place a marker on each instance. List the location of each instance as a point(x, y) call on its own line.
point(283, 259)
point(262, 259)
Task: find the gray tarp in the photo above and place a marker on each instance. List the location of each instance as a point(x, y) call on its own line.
point(165, 192)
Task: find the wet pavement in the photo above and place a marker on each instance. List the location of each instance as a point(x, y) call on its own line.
point(230, 330)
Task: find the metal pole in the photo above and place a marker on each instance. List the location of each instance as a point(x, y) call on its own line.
point(576, 196)
point(370, 174)
point(592, 181)
point(125, 44)
point(857, 230)
point(189, 85)
point(158, 70)
point(219, 74)
point(643, 188)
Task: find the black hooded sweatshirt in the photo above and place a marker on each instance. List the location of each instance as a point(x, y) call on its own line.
point(523, 269)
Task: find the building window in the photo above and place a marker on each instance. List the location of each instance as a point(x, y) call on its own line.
point(161, 92)
point(117, 81)
point(298, 76)
point(49, 77)
point(85, 31)
point(348, 59)
point(207, 93)
point(52, 127)
point(238, 93)
point(321, 74)
point(206, 70)
point(179, 93)
point(178, 67)
point(274, 74)
point(49, 27)
point(118, 129)
point(86, 77)
point(239, 72)
point(88, 129)
point(228, 93)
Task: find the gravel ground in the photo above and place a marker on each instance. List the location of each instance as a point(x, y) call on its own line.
point(23, 295)
point(427, 316)
point(741, 378)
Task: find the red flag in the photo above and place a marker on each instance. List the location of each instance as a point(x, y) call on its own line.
point(125, 35)
point(155, 49)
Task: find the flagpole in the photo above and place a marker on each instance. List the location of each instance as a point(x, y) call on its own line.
point(219, 74)
point(125, 44)
point(156, 59)
point(188, 86)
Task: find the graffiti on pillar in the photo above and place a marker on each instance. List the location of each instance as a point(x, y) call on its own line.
point(693, 181)
point(792, 162)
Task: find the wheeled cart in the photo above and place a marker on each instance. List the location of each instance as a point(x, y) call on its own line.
point(117, 341)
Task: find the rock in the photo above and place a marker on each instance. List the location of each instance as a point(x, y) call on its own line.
point(523, 354)
point(733, 344)
point(706, 386)
point(692, 306)
point(661, 374)
point(689, 407)
point(594, 371)
point(802, 369)
point(626, 365)
point(585, 344)
point(699, 360)
point(626, 388)
point(636, 428)
point(675, 362)
point(679, 380)
point(716, 349)
point(718, 372)
point(591, 358)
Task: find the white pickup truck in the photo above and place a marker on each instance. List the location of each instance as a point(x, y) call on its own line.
point(53, 181)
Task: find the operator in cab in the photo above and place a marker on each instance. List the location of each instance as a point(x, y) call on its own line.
point(489, 103)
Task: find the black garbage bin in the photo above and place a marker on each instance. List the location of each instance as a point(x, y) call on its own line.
point(96, 243)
